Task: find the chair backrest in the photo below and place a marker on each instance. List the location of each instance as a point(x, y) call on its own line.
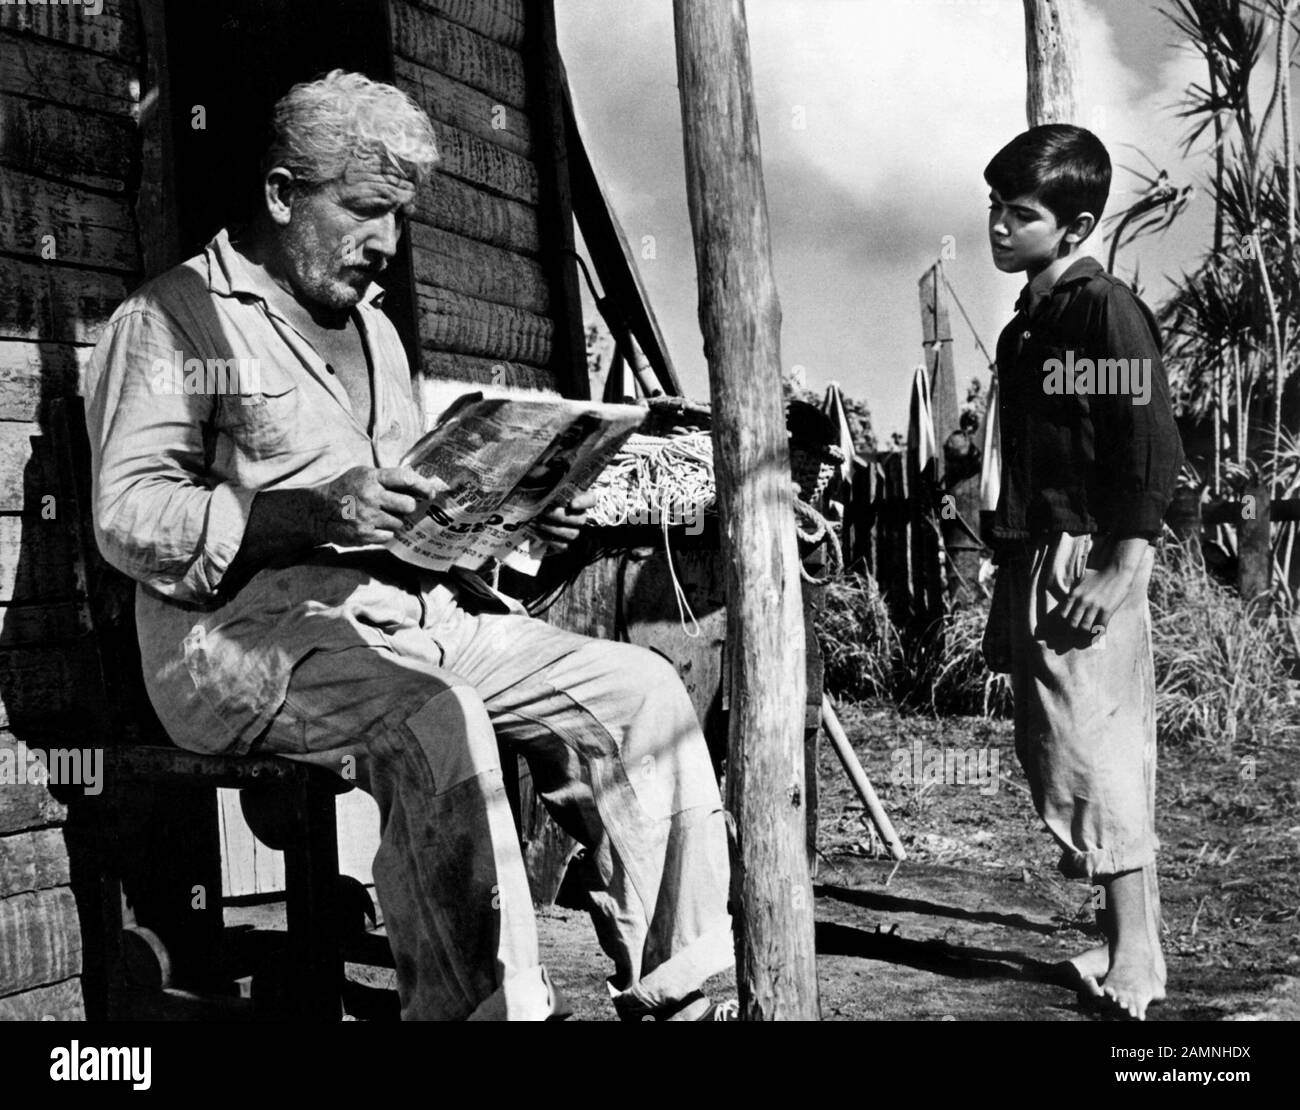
point(104, 597)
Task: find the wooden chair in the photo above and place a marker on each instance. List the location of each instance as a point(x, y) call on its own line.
point(140, 758)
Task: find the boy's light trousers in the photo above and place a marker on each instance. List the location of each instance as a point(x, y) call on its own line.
point(1085, 717)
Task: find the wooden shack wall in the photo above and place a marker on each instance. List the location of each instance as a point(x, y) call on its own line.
point(497, 304)
point(69, 150)
point(497, 295)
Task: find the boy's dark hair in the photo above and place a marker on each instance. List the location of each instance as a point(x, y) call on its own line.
point(1065, 167)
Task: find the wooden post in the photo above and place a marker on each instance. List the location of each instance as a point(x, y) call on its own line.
point(926, 549)
point(741, 321)
point(1185, 516)
point(936, 338)
point(893, 552)
point(927, 569)
point(1052, 59)
point(1254, 549)
point(958, 505)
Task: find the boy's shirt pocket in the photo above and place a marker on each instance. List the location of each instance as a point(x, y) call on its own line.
point(1051, 382)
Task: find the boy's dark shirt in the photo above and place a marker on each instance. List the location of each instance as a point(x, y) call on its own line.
point(1096, 463)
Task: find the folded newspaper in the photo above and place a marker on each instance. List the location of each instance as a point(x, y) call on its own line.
point(498, 461)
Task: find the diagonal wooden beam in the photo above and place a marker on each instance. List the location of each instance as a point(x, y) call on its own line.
point(611, 256)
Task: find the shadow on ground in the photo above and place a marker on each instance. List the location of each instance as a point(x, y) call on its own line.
point(939, 943)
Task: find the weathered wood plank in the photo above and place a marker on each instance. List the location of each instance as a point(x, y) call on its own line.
point(114, 31)
point(40, 939)
point(503, 21)
point(35, 625)
point(448, 101)
point(247, 865)
point(33, 861)
point(57, 1002)
point(38, 688)
point(454, 322)
point(452, 205)
point(29, 807)
point(87, 228)
point(485, 165)
point(462, 265)
point(51, 71)
point(85, 147)
point(42, 300)
point(25, 806)
point(26, 466)
point(439, 367)
point(35, 559)
point(30, 372)
point(460, 53)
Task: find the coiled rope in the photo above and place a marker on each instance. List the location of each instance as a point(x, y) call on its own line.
point(670, 480)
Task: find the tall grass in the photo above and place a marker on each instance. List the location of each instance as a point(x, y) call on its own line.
point(866, 657)
point(1221, 666)
point(948, 674)
point(862, 652)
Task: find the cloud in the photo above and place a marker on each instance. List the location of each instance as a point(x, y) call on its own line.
point(877, 119)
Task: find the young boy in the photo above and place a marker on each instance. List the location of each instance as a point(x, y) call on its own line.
point(1090, 456)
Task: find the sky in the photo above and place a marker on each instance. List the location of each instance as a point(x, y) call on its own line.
point(877, 118)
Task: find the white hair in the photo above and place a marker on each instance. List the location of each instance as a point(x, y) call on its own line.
point(319, 127)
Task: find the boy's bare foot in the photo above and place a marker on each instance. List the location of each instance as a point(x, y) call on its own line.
point(1132, 985)
point(1136, 977)
point(1091, 968)
point(1153, 923)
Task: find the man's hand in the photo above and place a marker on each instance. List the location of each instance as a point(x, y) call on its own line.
point(361, 506)
point(1094, 601)
point(559, 525)
point(364, 505)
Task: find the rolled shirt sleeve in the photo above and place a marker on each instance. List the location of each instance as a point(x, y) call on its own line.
point(1139, 452)
point(158, 516)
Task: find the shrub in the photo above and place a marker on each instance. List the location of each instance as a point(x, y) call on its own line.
point(862, 654)
point(866, 657)
point(948, 673)
point(1220, 667)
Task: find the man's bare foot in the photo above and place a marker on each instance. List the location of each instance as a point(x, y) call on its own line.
point(1132, 985)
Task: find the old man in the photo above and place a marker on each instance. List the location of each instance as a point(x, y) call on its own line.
point(263, 629)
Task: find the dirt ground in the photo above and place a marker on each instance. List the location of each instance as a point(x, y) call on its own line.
point(970, 926)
